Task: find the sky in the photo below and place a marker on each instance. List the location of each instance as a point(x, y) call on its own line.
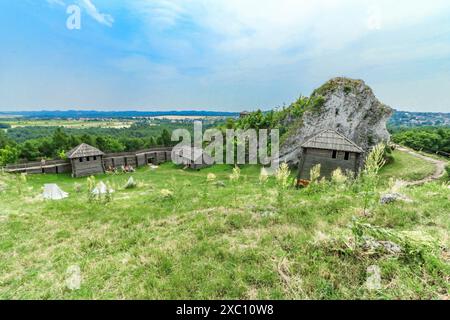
point(223, 55)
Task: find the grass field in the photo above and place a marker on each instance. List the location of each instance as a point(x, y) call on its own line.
point(407, 167)
point(220, 240)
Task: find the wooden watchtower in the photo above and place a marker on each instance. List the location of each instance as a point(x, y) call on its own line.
point(86, 160)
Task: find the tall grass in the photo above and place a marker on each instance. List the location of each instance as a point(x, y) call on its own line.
point(235, 177)
point(283, 183)
point(369, 177)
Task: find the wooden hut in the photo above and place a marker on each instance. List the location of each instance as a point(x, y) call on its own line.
point(191, 157)
point(331, 150)
point(86, 160)
point(244, 114)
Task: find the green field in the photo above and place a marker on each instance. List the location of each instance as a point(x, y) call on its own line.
point(407, 167)
point(71, 124)
point(221, 239)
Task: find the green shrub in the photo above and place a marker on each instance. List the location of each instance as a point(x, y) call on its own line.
point(8, 155)
point(388, 157)
point(347, 89)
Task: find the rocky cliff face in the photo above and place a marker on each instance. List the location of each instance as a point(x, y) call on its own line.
point(349, 107)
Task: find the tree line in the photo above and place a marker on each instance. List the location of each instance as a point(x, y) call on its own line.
point(59, 142)
point(429, 139)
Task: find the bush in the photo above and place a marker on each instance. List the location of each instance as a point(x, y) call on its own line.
point(388, 157)
point(347, 89)
point(8, 155)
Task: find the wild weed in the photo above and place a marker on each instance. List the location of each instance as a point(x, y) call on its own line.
point(234, 178)
point(338, 178)
point(21, 181)
point(283, 182)
point(166, 194)
point(263, 179)
point(108, 197)
point(90, 188)
point(369, 177)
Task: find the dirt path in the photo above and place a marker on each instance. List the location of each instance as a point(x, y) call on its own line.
point(439, 164)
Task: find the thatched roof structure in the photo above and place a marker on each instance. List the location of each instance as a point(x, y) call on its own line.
point(84, 150)
point(332, 140)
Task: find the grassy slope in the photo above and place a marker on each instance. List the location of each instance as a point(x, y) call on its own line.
point(407, 167)
point(202, 244)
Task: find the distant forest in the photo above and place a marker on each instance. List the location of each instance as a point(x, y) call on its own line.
point(33, 143)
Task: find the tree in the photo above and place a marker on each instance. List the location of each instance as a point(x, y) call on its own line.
point(151, 142)
point(166, 138)
point(108, 144)
point(60, 140)
point(229, 123)
point(74, 141)
point(133, 144)
point(9, 155)
point(29, 151)
point(88, 139)
point(4, 141)
point(46, 148)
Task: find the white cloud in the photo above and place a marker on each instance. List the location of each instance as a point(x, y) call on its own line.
point(56, 2)
point(250, 25)
point(92, 10)
point(161, 14)
point(374, 21)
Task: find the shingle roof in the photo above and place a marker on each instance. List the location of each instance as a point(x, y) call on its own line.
point(84, 150)
point(332, 140)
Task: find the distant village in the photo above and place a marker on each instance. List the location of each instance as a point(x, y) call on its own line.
point(417, 119)
point(399, 119)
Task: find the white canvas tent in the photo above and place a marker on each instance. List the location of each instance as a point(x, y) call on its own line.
point(53, 192)
point(101, 188)
point(131, 183)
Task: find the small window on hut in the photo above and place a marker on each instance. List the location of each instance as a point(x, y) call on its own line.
point(88, 159)
point(347, 156)
point(95, 158)
point(81, 159)
point(334, 155)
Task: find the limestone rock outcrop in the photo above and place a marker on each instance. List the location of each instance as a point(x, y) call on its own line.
point(349, 107)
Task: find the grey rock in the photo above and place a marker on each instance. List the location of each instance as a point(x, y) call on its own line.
point(371, 244)
point(373, 281)
point(220, 184)
point(351, 108)
point(391, 247)
point(393, 197)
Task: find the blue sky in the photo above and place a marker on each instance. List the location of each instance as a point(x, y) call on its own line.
point(220, 54)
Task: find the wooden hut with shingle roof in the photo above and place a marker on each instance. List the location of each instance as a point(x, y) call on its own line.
point(331, 150)
point(86, 160)
point(192, 157)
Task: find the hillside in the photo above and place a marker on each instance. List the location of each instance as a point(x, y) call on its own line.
point(192, 235)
